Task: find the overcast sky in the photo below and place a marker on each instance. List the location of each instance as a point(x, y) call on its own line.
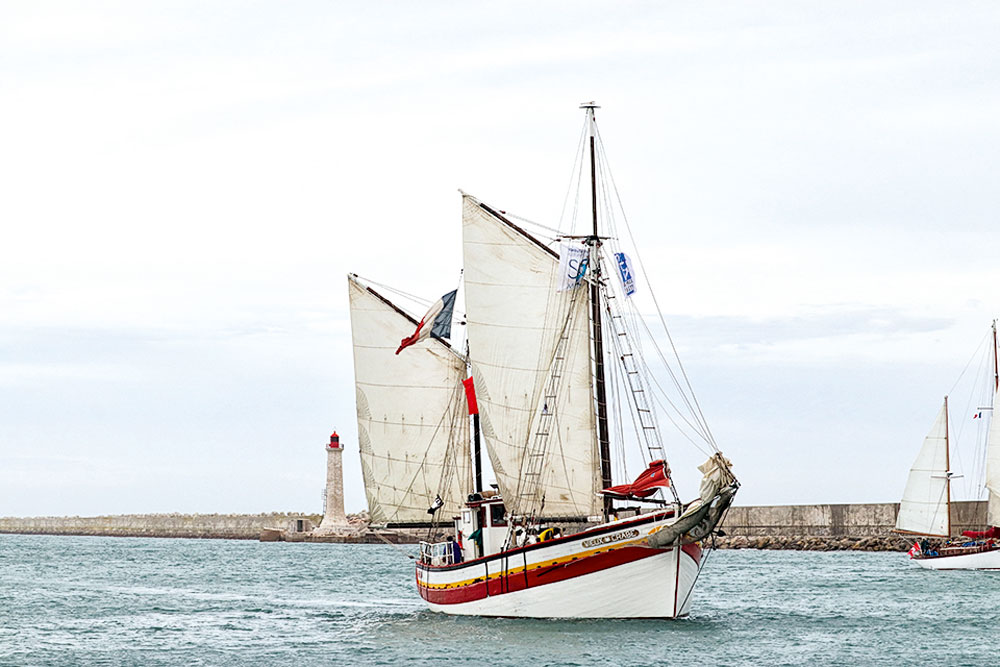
point(183, 187)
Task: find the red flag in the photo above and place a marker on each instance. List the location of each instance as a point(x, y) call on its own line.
point(470, 396)
point(656, 476)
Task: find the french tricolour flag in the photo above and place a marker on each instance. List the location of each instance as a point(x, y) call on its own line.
point(435, 324)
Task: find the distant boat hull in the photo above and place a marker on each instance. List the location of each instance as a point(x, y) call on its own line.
point(604, 572)
point(973, 559)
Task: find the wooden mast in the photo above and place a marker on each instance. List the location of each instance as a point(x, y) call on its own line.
point(603, 439)
point(477, 454)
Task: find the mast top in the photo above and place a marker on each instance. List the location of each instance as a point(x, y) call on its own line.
point(589, 105)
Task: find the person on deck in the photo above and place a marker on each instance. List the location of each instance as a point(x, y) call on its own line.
point(456, 550)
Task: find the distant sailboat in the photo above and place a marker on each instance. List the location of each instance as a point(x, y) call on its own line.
point(925, 508)
point(553, 538)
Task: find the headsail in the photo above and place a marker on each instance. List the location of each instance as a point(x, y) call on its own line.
point(924, 507)
point(412, 419)
point(516, 319)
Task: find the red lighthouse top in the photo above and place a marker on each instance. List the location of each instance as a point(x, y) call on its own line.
point(334, 441)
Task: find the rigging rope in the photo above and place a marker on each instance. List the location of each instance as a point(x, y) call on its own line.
point(391, 544)
point(575, 177)
point(698, 411)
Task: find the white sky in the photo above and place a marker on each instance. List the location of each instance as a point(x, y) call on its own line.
point(183, 187)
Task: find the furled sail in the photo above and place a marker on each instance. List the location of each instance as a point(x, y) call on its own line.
point(412, 419)
point(924, 507)
point(516, 319)
point(993, 464)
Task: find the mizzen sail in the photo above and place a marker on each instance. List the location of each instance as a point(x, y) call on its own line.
point(412, 418)
point(523, 332)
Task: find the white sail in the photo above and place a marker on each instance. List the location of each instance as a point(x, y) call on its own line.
point(515, 317)
point(924, 507)
point(993, 465)
point(412, 416)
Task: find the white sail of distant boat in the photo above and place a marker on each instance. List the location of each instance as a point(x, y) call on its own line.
point(925, 509)
point(558, 388)
point(412, 423)
point(993, 462)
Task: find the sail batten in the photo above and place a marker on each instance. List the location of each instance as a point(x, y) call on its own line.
point(516, 318)
point(924, 508)
point(412, 423)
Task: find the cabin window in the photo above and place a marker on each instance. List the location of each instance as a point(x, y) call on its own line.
point(496, 515)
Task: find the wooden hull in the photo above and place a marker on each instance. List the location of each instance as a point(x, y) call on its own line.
point(604, 572)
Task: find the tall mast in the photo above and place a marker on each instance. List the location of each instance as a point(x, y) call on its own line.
point(477, 454)
point(595, 305)
point(947, 467)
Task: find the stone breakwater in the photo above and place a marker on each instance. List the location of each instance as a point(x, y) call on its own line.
point(815, 543)
point(208, 526)
point(831, 527)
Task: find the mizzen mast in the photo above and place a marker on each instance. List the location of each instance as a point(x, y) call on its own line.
point(594, 241)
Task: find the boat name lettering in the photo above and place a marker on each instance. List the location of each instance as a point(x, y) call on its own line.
point(608, 539)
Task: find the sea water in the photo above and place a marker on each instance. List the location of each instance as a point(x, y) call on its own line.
point(130, 601)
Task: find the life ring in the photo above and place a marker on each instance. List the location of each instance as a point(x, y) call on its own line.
point(546, 534)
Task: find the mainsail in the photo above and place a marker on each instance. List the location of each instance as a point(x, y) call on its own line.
point(526, 337)
point(993, 464)
point(412, 419)
point(924, 507)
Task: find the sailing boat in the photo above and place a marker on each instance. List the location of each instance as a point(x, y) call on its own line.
point(551, 344)
point(925, 508)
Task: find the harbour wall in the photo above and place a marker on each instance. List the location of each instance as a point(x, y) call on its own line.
point(211, 526)
point(821, 527)
point(866, 527)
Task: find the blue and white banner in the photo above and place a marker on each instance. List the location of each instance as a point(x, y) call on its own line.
point(572, 265)
point(625, 271)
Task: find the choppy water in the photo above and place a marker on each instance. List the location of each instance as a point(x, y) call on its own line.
point(121, 601)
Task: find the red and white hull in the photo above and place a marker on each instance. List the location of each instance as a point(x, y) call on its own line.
point(606, 572)
point(973, 559)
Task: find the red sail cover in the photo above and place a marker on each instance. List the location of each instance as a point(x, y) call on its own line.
point(653, 478)
point(992, 533)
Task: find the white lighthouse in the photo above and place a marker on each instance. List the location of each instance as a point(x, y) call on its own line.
point(334, 519)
